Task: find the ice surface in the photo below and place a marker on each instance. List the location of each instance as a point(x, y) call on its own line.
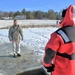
point(34, 38)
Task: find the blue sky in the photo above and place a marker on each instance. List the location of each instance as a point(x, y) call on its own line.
point(44, 5)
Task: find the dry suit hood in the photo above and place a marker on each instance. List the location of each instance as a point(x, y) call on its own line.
point(69, 19)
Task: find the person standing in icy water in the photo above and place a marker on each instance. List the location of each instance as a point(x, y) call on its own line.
point(59, 58)
point(15, 32)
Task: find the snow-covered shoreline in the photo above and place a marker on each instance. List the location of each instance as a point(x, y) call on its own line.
point(8, 23)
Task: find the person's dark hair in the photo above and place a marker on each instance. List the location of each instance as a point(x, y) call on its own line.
point(15, 20)
point(64, 13)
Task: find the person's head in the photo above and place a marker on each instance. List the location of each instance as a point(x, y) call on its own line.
point(64, 13)
point(68, 16)
point(16, 22)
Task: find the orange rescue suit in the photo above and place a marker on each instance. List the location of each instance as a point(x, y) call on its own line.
point(60, 49)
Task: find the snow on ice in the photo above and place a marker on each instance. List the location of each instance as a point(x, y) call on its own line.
point(35, 38)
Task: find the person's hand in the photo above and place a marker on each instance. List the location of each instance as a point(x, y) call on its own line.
point(10, 39)
point(50, 69)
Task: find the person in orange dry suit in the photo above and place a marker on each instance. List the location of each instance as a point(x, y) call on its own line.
point(59, 58)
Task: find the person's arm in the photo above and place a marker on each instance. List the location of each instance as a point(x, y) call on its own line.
point(50, 52)
point(21, 32)
point(10, 34)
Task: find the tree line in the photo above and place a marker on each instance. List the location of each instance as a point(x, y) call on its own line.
point(50, 14)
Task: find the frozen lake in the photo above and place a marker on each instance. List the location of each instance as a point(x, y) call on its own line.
point(32, 50)
point(35, 38)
